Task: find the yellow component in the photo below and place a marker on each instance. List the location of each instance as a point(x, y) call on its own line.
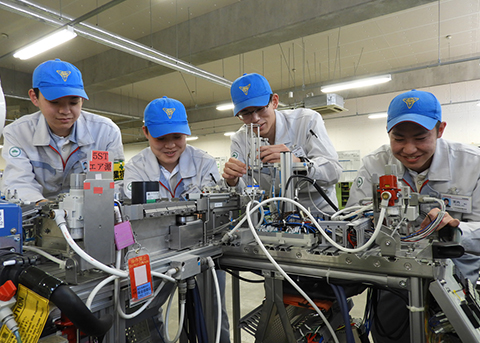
point(31, 313)
point(455, 292)
point(118, 170)
point(385, 195)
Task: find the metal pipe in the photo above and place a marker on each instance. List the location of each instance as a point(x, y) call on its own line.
point(35, 11)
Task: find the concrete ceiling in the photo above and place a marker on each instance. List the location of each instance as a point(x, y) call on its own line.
point(298, 45)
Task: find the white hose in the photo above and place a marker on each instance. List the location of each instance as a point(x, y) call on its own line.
point(284, 274)
point(211, 265)
point(229, 235)
point(360, 209)
point(60, 220)
point(164, 276)
point(116, 272)
point(61, 263)
point(98, 288)
point(180, 320)
point(372, 239)
point(144, 306)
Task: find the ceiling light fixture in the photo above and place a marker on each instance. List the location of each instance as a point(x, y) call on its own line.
point(46, 43)
point(370, 81)
point(225, 107)
point(96, 34)
point(231, 133)
point(192, 138)
point(378, 115)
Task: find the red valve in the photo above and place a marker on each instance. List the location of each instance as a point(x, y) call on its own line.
point(7, 290)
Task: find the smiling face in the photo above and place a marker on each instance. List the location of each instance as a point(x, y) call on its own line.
point(413, 145)
point(167, 148)
point(60, 113)
point(263, 116)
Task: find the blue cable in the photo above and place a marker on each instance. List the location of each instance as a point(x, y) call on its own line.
point(342, 303)
point(17, 336)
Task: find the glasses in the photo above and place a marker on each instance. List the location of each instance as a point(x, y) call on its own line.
point(248, 115)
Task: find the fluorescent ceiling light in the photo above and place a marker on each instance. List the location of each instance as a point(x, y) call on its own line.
point(378, 115)
point(356, 83)
point(46, 43)
point(192, 138)
point(225, 107)
point(231, 133)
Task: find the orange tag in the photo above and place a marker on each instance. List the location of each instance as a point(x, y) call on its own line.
point(100, 162)
point(140, 277)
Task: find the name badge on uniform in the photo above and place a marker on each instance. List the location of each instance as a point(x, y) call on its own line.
point(457, 203)
point(298, 151)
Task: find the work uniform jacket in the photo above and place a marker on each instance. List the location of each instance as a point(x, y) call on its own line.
point(455, 170)
point(303, 132)
point(196, 170)
point(34, 166)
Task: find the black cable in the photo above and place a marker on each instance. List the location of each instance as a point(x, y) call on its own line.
point(396, 333)
point(315, 185)
point(342, 303)
point(200, 318)
point(242, 278)
point(189, 324)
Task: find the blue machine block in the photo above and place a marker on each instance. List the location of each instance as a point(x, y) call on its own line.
point(11, 233)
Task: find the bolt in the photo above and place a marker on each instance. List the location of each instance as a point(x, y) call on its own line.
point(298, 255)
point(408, 266)
point(387, 243)
point(13, 231)
point(255, 251)
point(403, 284)
point(348, 260)
point(376, 264)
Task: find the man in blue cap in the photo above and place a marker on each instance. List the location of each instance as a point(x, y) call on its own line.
point(178, 167)
point(43, 149)
point(301, 131)
point(429, 165)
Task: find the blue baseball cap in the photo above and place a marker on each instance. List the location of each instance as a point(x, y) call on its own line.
point(414, 106)
point(250, 90)
point(164, 116)
point(57, 79)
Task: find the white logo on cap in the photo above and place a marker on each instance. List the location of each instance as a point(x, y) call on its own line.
point(410, 102)
point(64, 74)
point(245, 89)
point(169, 112)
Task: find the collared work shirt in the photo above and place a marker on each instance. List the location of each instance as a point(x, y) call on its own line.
point(305, 129)
point(455, 169)
point(196, 170)
point(34, 164)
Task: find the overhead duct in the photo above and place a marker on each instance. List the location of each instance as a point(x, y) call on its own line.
point(325, 103)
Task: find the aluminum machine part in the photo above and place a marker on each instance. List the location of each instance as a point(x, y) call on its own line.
point(286, 167)
point(176, 234)
point(407, 265)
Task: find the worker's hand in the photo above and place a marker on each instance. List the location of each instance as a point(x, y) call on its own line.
point(447, 219)
point(233, 170)
point(271, 153)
